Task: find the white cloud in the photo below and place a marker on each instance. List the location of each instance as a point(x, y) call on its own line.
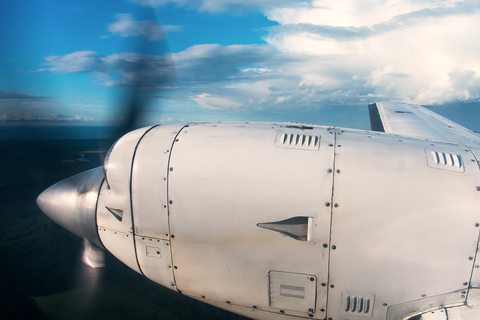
point(127, 26)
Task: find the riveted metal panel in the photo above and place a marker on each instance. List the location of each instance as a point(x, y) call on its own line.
point(224, 179)
point(149, 181)
point(115, 195)
point(401, 229)
point(155, 260)
point(292, 291)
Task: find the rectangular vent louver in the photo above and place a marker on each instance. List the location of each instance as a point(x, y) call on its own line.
point(358, 303)
point(444, 160)
point(294, 140)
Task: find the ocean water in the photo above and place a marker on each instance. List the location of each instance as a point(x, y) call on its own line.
point(38, 132)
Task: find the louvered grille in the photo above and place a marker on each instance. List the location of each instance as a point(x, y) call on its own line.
point(444, 160)
point(297, 141)
point(357, 303)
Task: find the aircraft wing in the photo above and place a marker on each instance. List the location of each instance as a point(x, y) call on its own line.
point(417, 121)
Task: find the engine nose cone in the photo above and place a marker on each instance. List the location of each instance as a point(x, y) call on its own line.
point(72, 203)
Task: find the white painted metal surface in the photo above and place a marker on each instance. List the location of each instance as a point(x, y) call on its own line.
point(149, 182)
point(117, 235)
point(417, 121)
point(155, 260)
point(398, 219)
point(226, 178)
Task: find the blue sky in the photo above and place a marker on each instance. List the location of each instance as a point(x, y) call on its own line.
point(304, 61)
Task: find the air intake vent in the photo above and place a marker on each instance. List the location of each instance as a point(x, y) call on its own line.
point(297, 141)
point(358, 303)
point(444, 160)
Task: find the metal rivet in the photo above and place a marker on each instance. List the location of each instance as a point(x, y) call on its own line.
point(168, 150)
point(310, 310)
point(164, 178)
point(165, 206)
point(175, 267)
point(477, 225)
point(332, 286)
point(171, 168)
point(312, 279)
point(172, 236)
point(463, 296)
point(170, 201)
point(336, 205)
point(254, 307)
point(478, 188)
point(424, 295)
point(281, 311)
point(330, 170)
point(329, 318)
point(150, 239)
point(158, 252)
point(327, 204)
point(323, 284)
point(310, 315)
point(339, 145)
point(168, 244)
point(176, 140)
point(322, 310)
point(203, 297)
point(470, 258)
point(170, 267)
point(330, 145)
point(385, 304)
point(228, 302)
point(142, 238)
point(464, 291)
point(334, 247)
point(166, 234)
point(338, 171)
point(173, 284)
point(465, 283)
point(325, 245)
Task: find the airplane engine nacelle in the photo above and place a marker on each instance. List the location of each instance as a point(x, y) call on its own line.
point(270, 220)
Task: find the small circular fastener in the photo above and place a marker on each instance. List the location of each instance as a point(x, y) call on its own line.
point(470, 258)
point(465, 283)
point(424, 295)
point(477, 225)
point(330, 145)
point(281, 311)
point(322, 310)
point(336, 205)
point(332, 286)
point(463, 296)
point(310, 315)
point(478, 188)
point(170, 201)
point(385, 304)
point(327, 204)
point(325, 245)
point(172, 236)
point(323, 284)
point(334, 247)
point(338, 171)
point(254, 307)
point(175, 267)
point(312, 279)
point(228, 302)
point(203, 297)
point(171, 168)
point(330, 170)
